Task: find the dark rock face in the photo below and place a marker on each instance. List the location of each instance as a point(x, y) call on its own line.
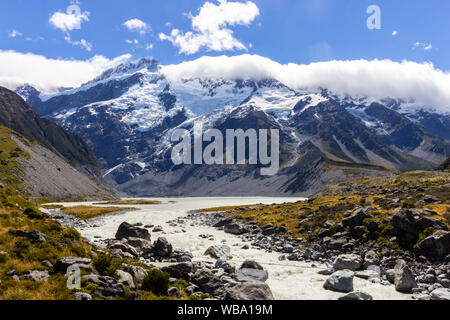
point(255, 291)
point(180, 271)
point(437, 246)
point(235, 229)
point(162, 248)
point(209, 282)
point(356, 219)
point(405, 221)
point(34, 236)
point(63, 264)
point(250, 275)
point(127, 230)
point(251, 264)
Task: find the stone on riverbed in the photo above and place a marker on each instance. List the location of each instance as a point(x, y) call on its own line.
point(219, 252)
point(340, 281)
point(235, 229)
point(404, 279)
point(162, 248)
point(251, 264)
point(256, 291)
point(356, 295)
point(227, 266)
point(251, 275)
point(347, 262)
point(127, 230)
point(440, 294)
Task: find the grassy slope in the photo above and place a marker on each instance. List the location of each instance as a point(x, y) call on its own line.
point(302, 219)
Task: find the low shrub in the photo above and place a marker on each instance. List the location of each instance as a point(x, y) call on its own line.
point(106, 265)
point(156, 281)
point(408, 205)
point(33, 213)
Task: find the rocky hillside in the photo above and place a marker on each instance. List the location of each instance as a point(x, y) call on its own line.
point(41, 159)
point(17, 115)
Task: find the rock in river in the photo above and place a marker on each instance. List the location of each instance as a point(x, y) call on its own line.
point(340, 281)
point(127, 230)
point(257, 291)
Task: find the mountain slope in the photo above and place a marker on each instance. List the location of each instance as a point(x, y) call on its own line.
point(17, 115)
point(39, 158)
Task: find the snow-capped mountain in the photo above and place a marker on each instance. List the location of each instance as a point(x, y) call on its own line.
point(128, 114)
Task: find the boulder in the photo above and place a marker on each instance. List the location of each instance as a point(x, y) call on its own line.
point(371, 258)
point(405, 221)
point(340, 281)
point(356, 219)
point(64, 263)
point(251, 264)
point(356, 295)
point(436, 246)
point(208, 282)
point(38, 276)
point(137, 272)
point(367, 274)
point(180, 271)
point(347, 262)
point(404, 279)
point(219, 252)
point(227, 266)
point(174, 292)
point(82, 296)
point(440, 294)
point(223, 222)
point(256, 291)
point(251, 275)
point(427, 222)
point(235, 229)
point(162, 248)
point(34, 236)
point(127, 230)
point(124, 247)
point(139, 243)
point(126, 279)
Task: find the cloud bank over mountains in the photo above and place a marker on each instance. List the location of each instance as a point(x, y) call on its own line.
point(378, 79)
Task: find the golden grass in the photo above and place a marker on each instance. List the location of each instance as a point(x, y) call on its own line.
point(89, 212)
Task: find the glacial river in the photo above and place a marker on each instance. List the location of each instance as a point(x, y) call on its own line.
point(288, 280)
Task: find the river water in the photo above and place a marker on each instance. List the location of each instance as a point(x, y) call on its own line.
point(288, 280)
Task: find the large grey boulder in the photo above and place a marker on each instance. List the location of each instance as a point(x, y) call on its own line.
point(256, 291)
point(356, 295)
point(64, 263)
point(34, 236)
point(404, 279)
point(251, 264)
point(441, 294)
point(227, 266)
point(251, 275)
point(82, 296)
point(436, 246)
point(219, 252)
point(347, 262)
point(127, 230)
point(356, 219)
point(340, 281)
point(182, 270)
point(162, 248)
point(137, 272)
point(124, 247)
point(36, 275)
point(405, 221)
point(235, 229)
point(126, 279)
point(371, 258)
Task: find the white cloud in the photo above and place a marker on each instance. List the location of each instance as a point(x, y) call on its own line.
point(395, 33)
point(137, 26)
point(81, 43)
point(211, 27)
point(149, 47)
point(69, 21)
point(48, 75)
point(14, 34)
point(376, 78)
point(424, 46)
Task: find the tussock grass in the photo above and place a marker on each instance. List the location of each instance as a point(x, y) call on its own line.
point(89, 212)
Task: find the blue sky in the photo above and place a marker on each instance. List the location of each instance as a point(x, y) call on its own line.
point(299, 31)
